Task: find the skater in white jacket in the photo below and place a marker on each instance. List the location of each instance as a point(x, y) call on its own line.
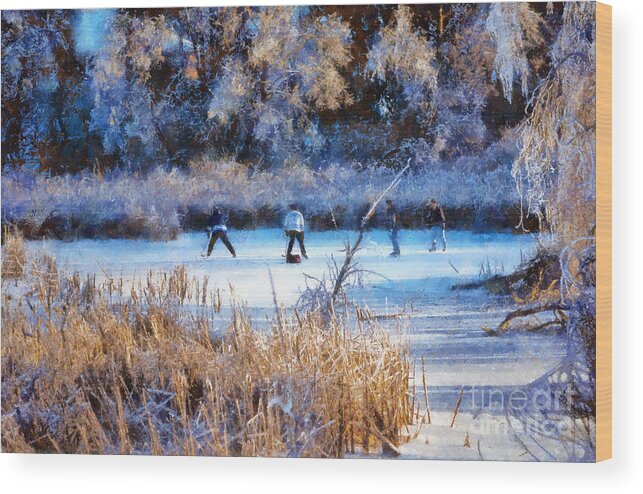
point(294, 229)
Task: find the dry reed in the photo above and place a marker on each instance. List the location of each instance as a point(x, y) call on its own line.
point(159, 204)
point(93, 367)
point(13, 254)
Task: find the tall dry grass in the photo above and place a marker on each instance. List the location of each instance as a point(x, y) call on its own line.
point(14, 255)
point(93, 367)
point(159, 204)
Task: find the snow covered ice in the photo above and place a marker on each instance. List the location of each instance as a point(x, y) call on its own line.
point(442, 325)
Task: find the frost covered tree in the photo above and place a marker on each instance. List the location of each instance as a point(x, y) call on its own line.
point(293, 71)
point(403, 55)
point(556, 167)
point(440, 77)
point(322, 84)
point(465, 55)
point(403, 60)
point(515, 29)
point(126, 110)
point(207, 38)
point(41, 82)
point(556, 174)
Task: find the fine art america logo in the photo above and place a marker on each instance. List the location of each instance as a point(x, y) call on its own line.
point(543, 410)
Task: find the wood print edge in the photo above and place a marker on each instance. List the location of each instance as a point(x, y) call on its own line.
point(603, 231)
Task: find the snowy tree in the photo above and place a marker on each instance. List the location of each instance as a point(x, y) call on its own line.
point(125, 109)
point(293, 70)
point(39, 87)
point(402, 55)
point(556, 167)
point(466, 63)
point(323, 83)
point(515, 29)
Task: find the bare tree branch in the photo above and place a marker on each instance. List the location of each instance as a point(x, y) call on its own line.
point(344, 271)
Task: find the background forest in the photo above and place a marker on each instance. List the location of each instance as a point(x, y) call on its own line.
point(149, 116)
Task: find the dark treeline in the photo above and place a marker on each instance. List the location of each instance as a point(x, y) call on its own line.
point(137, 88)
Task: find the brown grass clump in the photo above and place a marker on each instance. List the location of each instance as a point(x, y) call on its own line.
point(93, 367)
point(14, 255)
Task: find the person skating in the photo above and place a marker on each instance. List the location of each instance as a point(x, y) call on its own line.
point(393, 226)
point(219, 230)
point(436, 222)
point(294, 229)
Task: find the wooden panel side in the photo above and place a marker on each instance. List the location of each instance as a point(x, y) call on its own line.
point(603, 232)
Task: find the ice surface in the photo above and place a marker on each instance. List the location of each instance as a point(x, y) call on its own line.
point(416, 276)
point(443, 325)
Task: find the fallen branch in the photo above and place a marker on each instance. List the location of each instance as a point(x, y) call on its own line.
point(545, 325)
point(523, 312)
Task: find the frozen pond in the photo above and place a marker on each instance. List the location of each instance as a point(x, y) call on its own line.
point(443, 325)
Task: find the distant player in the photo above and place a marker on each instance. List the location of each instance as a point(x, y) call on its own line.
point(392, 224)
point(294, 229)
point(219, 230)
point(436, 222)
